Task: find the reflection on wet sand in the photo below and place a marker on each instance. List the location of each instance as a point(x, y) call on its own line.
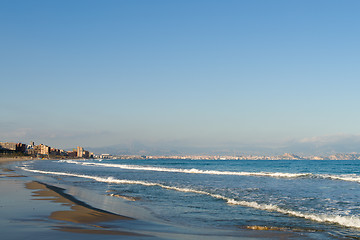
point(80, 212)
point(9, 173)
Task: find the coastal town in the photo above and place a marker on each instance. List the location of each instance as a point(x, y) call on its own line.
point(12, 149)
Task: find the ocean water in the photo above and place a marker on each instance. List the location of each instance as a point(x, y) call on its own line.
point(319, 199)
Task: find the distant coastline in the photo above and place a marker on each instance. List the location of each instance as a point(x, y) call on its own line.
point(286, 156)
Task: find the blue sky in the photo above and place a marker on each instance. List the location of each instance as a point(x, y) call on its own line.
point(202, 73)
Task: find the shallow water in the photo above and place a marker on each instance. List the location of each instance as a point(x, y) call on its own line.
point(319, 199)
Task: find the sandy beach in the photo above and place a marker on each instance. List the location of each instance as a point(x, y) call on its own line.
point(33, 209)
point(6, 160)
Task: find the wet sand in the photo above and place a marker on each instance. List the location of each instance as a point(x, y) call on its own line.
point(80, 212)
point(18, 211)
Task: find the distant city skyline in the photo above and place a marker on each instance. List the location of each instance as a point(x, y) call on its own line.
point(239, 75)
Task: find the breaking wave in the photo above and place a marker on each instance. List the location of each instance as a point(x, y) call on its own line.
point(343, 177)
point(347, 221)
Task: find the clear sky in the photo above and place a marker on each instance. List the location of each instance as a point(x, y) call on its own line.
point(201, 72)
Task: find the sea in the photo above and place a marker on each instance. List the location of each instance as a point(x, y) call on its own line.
point(316, 199)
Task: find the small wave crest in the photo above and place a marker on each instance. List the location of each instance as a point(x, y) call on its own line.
point(343, 177)
point(347, 221)
point(193, 170)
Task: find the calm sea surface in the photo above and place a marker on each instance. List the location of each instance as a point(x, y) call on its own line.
point(321, 199)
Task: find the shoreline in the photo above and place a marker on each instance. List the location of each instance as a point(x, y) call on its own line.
point(64, 216)
point(49, 210)
point(80, 211)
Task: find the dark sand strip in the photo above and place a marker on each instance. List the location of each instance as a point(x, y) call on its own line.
point(9, 172)
point(80, 211)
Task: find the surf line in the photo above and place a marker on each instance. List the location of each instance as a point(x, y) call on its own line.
point(192, 170)
point(347, 221)
point(345, 177)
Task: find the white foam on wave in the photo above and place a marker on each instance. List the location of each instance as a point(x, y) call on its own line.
point(347, 221)
point(193, 170)
point(343, 177)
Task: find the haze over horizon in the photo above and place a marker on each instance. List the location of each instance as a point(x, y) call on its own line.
point(243, 76)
